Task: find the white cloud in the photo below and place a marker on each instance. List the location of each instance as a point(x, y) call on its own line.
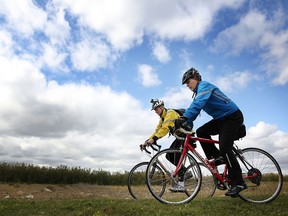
point(21, 16)
point(183, 19)
point(52, 57)
point(90, 54)
point(113, 19)
point(76, 122)
point(161, 52)
point(178, 97)
point(244, 35)
point(119, 21)
point(147, 76)
point(57, 28)
point(259, 31)
point(269, 138)
point(102, 29)
point(235, 81)
point(6, 43)
point(275, 59)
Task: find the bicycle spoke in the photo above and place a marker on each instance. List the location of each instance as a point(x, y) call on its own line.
point(173, 192)
point(137, 182)
point(263, 177)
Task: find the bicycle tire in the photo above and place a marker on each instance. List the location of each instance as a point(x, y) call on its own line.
point(137, 181)
point(264, 179)
point(155, 180)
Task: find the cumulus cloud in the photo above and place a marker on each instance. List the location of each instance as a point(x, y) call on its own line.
point(52, 57)
point(76, 122)
point(112, 19)
point(103, 28)
point(6, 43)
point(178, 97)
point(57, 28)
point(20, 16)
point(189, 21)
point(275, 58)
point(147, 76)
point(235, 81)
point(244, 35)
point(90, 54)
point(269, 138)
point(161, 52)
point(257, 30)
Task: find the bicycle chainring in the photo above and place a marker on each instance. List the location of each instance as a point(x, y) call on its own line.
point(255, 176)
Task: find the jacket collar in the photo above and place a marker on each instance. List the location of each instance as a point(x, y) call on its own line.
point(196, 89)
point(164, 113)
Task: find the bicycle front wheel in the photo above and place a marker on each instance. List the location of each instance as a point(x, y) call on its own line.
point(137, 181)
point(178, 189)
point(262, 174)
point(208, 185)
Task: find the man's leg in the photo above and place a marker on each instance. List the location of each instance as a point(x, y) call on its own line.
point(205, 131)
point(229, 127)
point(174, 158)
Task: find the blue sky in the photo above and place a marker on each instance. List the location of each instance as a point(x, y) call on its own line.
point(76, 77)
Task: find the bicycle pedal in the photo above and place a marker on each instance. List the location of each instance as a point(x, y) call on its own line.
point(221, 186)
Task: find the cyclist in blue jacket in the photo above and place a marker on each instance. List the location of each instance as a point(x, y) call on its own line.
point(227, 119)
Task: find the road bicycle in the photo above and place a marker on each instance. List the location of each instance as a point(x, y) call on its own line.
point(261, 173)
point(136, 181)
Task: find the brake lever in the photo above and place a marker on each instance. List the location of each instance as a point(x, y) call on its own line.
point(147, 150)
point(159, 147)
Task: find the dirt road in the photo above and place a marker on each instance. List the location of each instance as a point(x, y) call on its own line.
point(43, 191)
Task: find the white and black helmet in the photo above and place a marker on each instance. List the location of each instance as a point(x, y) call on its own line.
point(156, 103)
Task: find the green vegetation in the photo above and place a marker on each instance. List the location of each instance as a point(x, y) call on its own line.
point(95, 207)
point(25, 173)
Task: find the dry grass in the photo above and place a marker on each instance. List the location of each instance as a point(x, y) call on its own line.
point(45, 191)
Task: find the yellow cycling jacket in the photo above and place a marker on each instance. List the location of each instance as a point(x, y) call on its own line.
point(166, 120)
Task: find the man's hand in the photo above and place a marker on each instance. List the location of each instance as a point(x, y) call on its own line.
point(147, 143)
point(186, 127)
point(178, 123)
point(142, 147)
point(181, 123)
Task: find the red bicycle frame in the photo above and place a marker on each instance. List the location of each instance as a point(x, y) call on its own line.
point(187, 147)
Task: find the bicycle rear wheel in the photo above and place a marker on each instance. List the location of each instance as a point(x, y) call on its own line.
point(192, 178)
point(137, 181)
point(262, 174)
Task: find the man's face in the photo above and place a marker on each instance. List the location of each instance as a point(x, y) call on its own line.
point(192, 84)
point(158, 110)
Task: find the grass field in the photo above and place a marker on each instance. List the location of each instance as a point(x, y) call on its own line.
point(78, 200)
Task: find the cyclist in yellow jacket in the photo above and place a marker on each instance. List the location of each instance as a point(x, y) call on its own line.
point(167, 117)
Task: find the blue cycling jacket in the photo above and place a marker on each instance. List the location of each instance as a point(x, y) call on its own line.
point(213, 101)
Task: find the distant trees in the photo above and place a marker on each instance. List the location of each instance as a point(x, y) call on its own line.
point(27, 173)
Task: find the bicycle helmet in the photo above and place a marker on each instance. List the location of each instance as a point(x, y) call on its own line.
point(192, 73)
point(156, 103)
